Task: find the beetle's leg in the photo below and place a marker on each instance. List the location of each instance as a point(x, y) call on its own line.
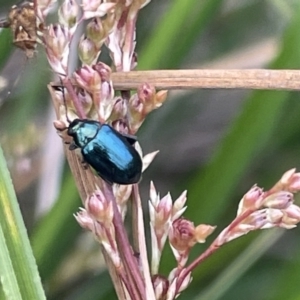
point(84, 164)
point(72, 146)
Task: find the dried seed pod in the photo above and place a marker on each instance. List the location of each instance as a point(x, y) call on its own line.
point(22, 20)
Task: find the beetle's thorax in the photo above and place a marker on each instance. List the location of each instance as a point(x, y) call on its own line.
point(83, 131)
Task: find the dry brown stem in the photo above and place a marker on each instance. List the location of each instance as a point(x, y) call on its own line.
point(261, 79)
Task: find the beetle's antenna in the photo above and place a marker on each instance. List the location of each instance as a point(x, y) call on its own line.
point(65, 102)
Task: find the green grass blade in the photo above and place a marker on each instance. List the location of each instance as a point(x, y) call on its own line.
point(16, 239)
point(161, 46)
point(60, 228)
point(8, 278)
point(6, 46)
point(287, 284)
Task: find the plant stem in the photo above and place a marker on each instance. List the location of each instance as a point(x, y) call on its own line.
point(262, 79)
point(129, 261)
point(257, 79)
point(78, 106)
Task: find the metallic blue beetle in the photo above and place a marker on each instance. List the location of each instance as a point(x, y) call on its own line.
point(109, 152)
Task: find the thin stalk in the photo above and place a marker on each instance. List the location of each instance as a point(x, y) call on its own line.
point(130, 261)
point(261, 79)
point(256, 79)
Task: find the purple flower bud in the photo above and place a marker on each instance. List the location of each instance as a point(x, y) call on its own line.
point(279, 200)
point(251, 200)
point(57, 39)
point(103, 70)
point(99, 208)
point(293, 211)
point(163, 211)
point(182, 235)
point(291, 181)
point(87, 78)
point(119, 109)
point(160, 285)
point(84, 219)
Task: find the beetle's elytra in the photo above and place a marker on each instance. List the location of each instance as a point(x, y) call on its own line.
point(109, 152)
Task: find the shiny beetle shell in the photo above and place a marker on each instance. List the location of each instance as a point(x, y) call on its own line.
point(110, 153)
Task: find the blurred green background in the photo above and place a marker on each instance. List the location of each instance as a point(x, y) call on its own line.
point(214, 143)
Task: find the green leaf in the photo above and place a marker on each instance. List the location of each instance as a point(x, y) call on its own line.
point(17, 242)
point(8, 278)
point(163, 48)
point(6, 46)
point(60, 228)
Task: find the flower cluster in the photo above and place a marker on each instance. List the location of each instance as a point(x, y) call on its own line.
point(98, 218)
point(110, 23)
point(260, 209)
point(89, 91)
point(166, 221)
